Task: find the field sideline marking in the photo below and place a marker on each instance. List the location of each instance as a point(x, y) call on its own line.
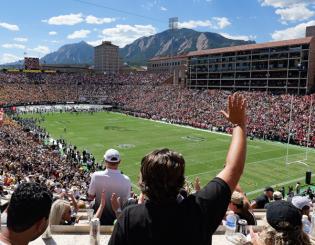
point(228, 135)
point(248, 155)
point(213, 132)
point(250, 163)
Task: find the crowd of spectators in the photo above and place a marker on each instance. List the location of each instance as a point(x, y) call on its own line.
point(148, 95)
point(28, 154)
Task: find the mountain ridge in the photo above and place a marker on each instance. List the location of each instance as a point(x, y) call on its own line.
point(174, 42)
point(166, 43)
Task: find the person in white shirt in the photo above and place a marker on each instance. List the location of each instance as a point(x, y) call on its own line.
point(111, 181)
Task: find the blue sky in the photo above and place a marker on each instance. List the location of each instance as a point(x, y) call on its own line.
point(37, 27)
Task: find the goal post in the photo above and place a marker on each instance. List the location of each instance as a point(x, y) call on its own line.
point(300, 158)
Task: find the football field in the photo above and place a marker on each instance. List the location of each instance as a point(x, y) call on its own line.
point(204, 151)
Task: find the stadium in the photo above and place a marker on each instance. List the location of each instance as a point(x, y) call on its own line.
point(200, 138)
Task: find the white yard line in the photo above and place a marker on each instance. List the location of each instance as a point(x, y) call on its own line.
point(213, 132)
point(250, 163)
point(228, 135)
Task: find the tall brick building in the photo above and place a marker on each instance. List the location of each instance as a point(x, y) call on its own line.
point(106, 58)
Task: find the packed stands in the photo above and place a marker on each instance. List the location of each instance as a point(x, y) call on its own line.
point(146, 95)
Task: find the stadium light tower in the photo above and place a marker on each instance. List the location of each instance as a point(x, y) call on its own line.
point(173, 25)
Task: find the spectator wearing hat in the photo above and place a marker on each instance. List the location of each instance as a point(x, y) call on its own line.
point(112, 181)
point(262, 200)
point(277, 196)
point(297, 188)
point(27, 214)
point(303, 204)
point(284, 226)
point(241, 208)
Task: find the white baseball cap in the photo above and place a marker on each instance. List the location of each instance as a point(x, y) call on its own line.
point(301, 201)
point(277, 195)
point(112, 155)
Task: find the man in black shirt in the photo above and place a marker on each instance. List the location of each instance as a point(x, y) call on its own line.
point(263, 199)
point(166, 219)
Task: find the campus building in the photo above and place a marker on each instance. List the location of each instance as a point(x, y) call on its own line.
point(281, 66)
point(106, 58)
point(175, 65)
point(167, 63)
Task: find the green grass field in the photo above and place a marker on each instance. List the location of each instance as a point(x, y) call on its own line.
point(203, 151)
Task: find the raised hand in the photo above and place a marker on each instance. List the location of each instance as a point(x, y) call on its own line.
point(103, 199)
point(1, 117)
point(197, 184)
point(141, 198)
point(236, 112)
point(115, 201)
point(254, 237)
point(101, 208)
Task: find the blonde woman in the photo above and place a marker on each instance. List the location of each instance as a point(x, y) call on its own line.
point(60, 213)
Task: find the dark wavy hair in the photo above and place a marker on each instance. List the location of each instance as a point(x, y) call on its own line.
point(162, 175)
point(29, 203)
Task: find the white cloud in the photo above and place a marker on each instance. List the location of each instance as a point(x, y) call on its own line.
point(153, 4)
point(96, 42)
point(238, 37)
point(297, 31)
point(40, 49)
point(73, 19)
point(215, 23)
point(52, 33)
point(284, 3)
point(10, 27)
point(295, 12)
point(221, 22)
point(195, 23)
point(8, 58)
point(21, 39)
point(149, 5)
point(90, 19)
point(291, 10)
point(122, 35)
point(13, 45)
point(69, 19)
point(79, 34)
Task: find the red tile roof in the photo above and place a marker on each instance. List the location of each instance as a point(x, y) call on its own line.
point(247, 47)
point(156, 58)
